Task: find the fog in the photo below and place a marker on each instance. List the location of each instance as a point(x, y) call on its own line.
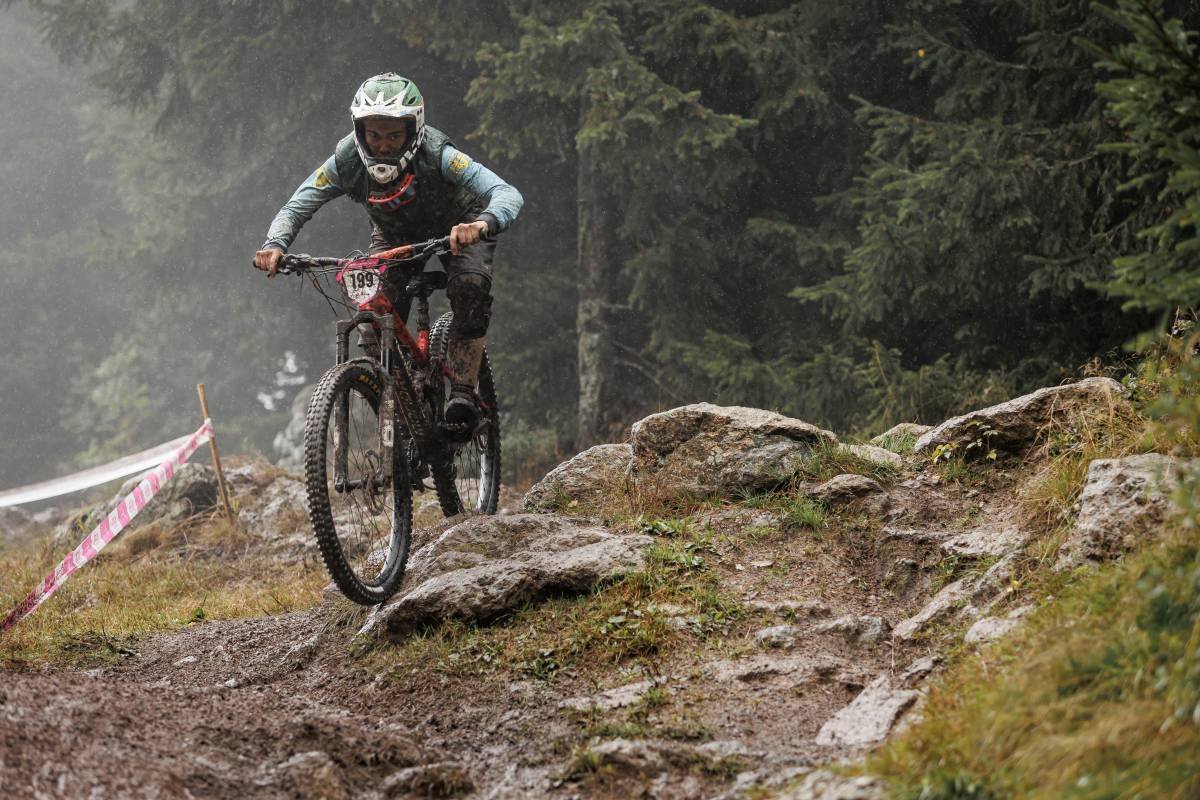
point(775, 204)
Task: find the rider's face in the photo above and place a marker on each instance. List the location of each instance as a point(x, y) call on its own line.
point(385, 136)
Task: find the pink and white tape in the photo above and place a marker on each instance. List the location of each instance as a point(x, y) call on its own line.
point(116, 521)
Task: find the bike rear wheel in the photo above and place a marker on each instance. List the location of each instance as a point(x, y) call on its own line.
point(361, 514)
point(469, 480)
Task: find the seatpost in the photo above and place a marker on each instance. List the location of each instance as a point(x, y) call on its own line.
point(423, 309)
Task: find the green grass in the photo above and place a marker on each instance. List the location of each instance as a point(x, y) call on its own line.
point(901, 443)
point(144, 583)
point(828, 460)
point(616, 623)
point(1098, 698)
point(801, 512)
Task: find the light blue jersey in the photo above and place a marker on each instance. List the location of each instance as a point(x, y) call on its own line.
point(503, 200)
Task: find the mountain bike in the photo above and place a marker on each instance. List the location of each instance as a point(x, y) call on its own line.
point(375, 427)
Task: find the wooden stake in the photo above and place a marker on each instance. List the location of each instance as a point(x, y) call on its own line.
point(212, 445)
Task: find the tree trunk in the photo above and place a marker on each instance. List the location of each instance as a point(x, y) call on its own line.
point(599, 272)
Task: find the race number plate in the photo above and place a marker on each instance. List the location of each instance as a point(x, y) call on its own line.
point(360, 285)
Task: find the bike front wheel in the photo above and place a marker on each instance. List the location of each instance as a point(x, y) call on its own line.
point(359, 500)
point(469, 478)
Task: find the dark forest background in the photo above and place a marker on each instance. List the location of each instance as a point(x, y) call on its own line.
point(855, 213)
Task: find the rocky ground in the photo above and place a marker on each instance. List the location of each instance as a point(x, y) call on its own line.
point(720, 607)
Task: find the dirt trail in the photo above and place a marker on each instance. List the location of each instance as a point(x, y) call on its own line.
point(281, 707)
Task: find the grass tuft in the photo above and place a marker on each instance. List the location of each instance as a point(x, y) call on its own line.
point(828, 460)
point(1099, 697)
point(616, 623)
point(152, 579)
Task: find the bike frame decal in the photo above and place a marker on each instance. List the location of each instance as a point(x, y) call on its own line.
point(116, 521)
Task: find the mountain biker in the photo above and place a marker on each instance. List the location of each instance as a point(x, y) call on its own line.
point(415, 185)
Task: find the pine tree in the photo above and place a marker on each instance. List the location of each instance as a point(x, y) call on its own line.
point(1155, 98)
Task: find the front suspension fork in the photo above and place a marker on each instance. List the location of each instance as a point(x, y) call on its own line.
point(385, 413)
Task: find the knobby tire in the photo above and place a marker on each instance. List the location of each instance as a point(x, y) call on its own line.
point(444, 473)
point(348, 379)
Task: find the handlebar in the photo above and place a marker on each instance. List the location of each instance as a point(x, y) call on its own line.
point(295, 263)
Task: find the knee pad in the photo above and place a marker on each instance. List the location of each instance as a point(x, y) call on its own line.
point(471, 301)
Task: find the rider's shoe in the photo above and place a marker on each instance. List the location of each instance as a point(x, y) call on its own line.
point(462, 414)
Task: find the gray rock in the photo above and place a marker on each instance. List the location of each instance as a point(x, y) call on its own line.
point(985, 540)
point(990, 586)
point(484, 567)
point(705, 449)
point(77, 524)
point(1014, 426)
point(877, 455)
point(252, 477)
point(619, 697)
point(869, 717)
point(779, 636)
point(762, 667)
point(917, 671)
point(844, 489)
point(752, 783)
point(289, 443)
point(1123, 502)
point(727, 748)
point(792, 608)
point(646, 757)
point(313, 776)
point(825, 785)
point(278, 515)
point(738, 519)
point(949, 601)
point(584, 479)
point(905, 431)
point(192, 490)
point(855, 629)
point(989, 629)
point(440, 779)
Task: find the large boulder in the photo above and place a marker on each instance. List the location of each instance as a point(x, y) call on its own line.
point(704, 449)
point(1124, 500)
point(583, 480)
point(1014, 426)
point(481, 569)
point(901, 437)
point(278, 516)
point(879, 456)
point(192, 490)
point(844, 489)
point(869, 717)
point(825, 785)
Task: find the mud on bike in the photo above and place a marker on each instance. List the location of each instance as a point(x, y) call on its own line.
point(375, 429)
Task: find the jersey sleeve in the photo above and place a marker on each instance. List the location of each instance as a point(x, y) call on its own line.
point(317, 190)
point(503, 200)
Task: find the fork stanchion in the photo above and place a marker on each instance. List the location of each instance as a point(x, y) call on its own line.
point(212, 444)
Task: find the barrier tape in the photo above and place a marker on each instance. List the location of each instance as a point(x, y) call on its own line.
point(116, 521)
point(127, 465)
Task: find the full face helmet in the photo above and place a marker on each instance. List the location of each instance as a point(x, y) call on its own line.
point(388, 95)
